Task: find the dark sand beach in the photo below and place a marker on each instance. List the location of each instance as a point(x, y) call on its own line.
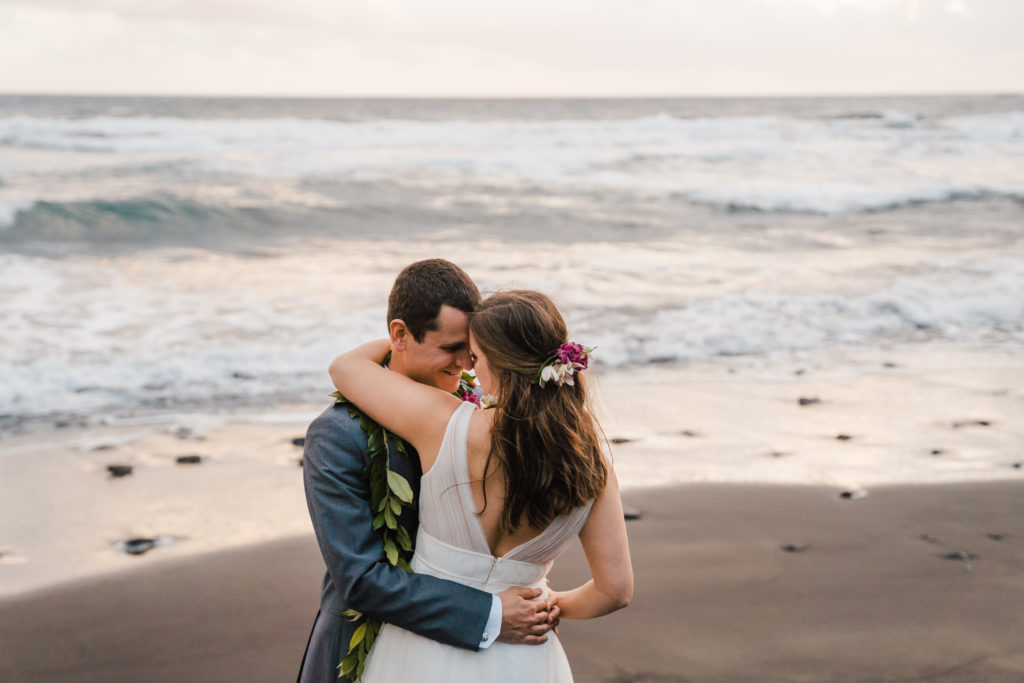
point(865, 592)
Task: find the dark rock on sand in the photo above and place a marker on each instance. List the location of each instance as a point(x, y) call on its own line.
point(937, 451)
point(959, 555)
point(620, 439)
point(996, 537)
point(242, 375)
point(631, 513)
point(928, 538)
point(778, 454)
point(796, 548)
point(799, 372)
point(299, 441)
point(137, 546)
point(809, 400)
point(888, 364)
point(299, 462)
point(971, 423)
point(853, 495)
point(102, 447)
point(843, 437)
point(119, 470)
point(690, 433)
point(189, 459)
point(1018, 465)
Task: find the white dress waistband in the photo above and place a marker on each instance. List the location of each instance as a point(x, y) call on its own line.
point(486, 572)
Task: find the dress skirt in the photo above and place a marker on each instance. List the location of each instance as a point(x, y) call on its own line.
point(400, 656)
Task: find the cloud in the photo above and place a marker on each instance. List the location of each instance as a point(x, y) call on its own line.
point(526, 47)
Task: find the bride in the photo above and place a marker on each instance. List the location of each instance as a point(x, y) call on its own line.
point(504, 491)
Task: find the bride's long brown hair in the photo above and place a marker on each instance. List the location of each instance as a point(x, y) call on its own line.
point(544, 439)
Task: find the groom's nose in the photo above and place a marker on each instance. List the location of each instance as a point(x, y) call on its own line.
point(463, 361)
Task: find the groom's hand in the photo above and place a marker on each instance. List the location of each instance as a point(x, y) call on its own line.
point(524, 616)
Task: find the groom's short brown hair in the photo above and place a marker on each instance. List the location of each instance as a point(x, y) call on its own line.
point(423, 287)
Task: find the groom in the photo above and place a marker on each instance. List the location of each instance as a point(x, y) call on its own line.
point(429, 329)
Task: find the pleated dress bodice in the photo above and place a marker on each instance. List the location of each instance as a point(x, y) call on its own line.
point(451, 542)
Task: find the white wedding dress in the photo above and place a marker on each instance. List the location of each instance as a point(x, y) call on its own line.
point(451, 545)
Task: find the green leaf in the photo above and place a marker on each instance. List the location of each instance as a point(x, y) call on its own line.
point(348, 665)
point(391, 551)
point(373, 628)
point(375, 442)
point(352, 614)
point(389, 519)
point(357, 637)
point(404, 565)
point(398, 484)
point(403, 539)
point(383, 502)
point(399, 446)
point(396, 506)
point(378, 521)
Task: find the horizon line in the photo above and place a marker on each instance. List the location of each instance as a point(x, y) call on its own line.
point(662, 96)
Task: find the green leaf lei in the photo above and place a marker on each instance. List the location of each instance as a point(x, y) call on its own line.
point(390, 494)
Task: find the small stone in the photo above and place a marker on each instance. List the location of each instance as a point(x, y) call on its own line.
point(937, 451)
point(631, 513)
point(928, 538)
point(799, 372)
point(795, 548)
point(690, 433)
point(620, 439)
point(809, 400)
point(778, 454)
point(1017, 465)
point(843, 437)
point(137, 546)
point(971, 423)
point(189, 459)
point(996, 537)
point(888, 364)
point(299, 461)
point(853, 495)
point(242, 375)
point(960, 556)
point(119, 470)
point(102, 447)
point(299, 441)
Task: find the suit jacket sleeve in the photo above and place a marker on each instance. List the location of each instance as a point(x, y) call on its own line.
point(338, 497)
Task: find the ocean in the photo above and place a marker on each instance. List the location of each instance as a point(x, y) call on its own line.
point(212, 255)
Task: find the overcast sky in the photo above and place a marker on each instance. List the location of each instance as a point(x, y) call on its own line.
point(511, 47)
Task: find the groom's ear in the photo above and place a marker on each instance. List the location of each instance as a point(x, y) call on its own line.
point(399, 334)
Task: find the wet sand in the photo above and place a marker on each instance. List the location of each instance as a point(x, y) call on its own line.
point(864, 592)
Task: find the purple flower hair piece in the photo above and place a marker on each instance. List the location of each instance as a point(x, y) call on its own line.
point(568, 359)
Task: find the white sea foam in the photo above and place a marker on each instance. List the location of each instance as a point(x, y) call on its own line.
point(155, 333)
point(9, 210)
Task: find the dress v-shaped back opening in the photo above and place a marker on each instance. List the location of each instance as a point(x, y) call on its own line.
point(457, 522)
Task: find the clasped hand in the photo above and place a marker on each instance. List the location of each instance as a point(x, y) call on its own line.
point(526, 617)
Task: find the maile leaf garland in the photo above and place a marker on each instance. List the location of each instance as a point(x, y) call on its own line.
point(390, 494)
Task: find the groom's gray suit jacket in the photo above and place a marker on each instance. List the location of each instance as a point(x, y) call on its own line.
point(358, 574)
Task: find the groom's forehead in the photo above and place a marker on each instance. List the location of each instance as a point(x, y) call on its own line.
point(451, 328)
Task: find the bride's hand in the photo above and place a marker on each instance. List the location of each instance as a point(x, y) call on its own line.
point(554, 611)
